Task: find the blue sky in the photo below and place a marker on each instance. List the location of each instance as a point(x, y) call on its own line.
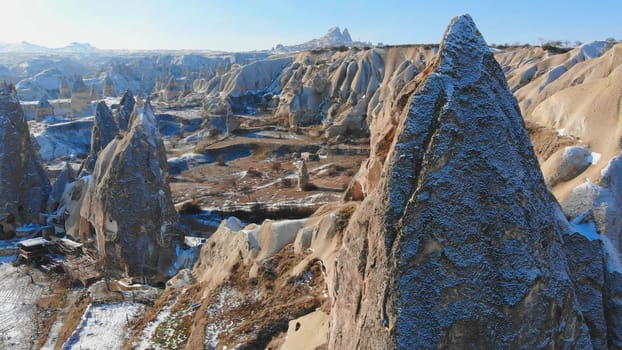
point(253, 24)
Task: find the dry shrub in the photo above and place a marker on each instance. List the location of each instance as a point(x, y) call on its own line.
point(287, 183)
point(190, 207)
point(252, 172)
point(275, 166)
point(220, 160)
point(335, 170)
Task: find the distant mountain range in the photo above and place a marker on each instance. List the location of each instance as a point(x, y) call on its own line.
point(334, 37)
point(27, 47)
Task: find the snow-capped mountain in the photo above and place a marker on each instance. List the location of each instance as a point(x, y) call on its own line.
point(26, 47)
point(77, 47)
point(23, 46)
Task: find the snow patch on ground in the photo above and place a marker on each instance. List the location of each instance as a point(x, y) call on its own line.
point(185, 259)
point(103, 326)
point(593, 49)
point(149, 330)
point(595, 157)
point(586, 228)
point(228, 299)
point(18, 296)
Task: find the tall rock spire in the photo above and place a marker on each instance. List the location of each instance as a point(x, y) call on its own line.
point(24, 185)
point(459, 245)
point(126, 107)
point(129, 203)
point(104, 128)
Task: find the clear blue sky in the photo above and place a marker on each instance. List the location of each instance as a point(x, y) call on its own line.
point(260, 24)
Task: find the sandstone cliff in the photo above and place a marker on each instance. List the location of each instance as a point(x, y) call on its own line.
point(24, 185)
point(458, 246)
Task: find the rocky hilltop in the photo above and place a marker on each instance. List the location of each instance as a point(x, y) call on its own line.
point(334, 37)
point(24, 185)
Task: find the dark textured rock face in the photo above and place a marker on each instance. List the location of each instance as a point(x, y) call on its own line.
point(104, 128)
point(459, 246)
point(24, 185)
point(129, 203)
point(126, 107)
point(598, 286)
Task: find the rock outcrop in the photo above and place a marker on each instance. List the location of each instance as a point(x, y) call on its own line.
point(44, 109)
point(129, 205)
point(124, 112)
point(240, 88)
point(458, 246)
point(24, 185)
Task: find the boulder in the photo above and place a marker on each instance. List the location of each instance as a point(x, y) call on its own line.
point(566, 164)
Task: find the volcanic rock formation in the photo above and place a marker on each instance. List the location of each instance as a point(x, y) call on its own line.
point(24, 185)
point(459, 245)
point(597, 278)
point(128, 203)
point(104, 128)
point(124, 112)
